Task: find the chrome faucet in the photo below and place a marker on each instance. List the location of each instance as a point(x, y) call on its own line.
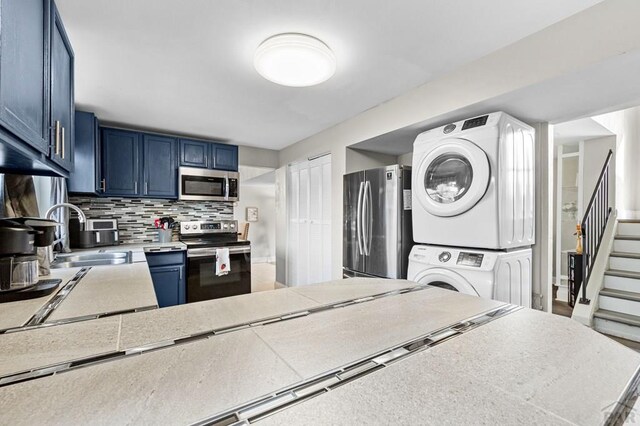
point(81, 216)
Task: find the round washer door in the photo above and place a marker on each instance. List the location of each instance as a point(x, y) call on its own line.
point(452, 177)
point(446, 279)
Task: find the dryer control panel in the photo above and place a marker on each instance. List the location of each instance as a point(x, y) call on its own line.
point(475, 122)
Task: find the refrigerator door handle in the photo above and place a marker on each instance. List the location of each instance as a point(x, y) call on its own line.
point(369, 218)
point(359, 219)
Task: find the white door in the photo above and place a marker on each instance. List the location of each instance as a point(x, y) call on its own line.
point(446, 279)
point(309, 212)
point(453, 177)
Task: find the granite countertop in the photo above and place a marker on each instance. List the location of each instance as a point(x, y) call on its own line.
point(521, 366)
point(107, 289)
point(16, 314)
point(103, 290)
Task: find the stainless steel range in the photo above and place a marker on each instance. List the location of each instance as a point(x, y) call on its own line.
point(203, 239)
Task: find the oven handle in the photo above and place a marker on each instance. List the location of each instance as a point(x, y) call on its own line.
point(211, 251)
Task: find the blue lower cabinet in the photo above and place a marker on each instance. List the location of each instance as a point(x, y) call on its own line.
point(168, 283)
point(168, 276)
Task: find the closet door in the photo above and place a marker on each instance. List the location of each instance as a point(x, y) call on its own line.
point(309, 213)
point(320, 219)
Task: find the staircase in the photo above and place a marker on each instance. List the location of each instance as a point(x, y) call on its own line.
point(618, 311)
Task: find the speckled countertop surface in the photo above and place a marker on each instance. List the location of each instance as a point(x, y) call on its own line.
point(15, 314)
point(104, 289)
point(523, 367)
point(107, 289)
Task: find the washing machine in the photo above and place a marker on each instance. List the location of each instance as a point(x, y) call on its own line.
point(473, 184)
point(498, 275)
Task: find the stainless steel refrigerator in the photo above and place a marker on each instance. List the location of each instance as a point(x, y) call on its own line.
point(377, 236)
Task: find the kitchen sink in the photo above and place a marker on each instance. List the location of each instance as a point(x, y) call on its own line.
point(78, 260)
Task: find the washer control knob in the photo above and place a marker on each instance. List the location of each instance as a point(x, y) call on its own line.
point(444, 256)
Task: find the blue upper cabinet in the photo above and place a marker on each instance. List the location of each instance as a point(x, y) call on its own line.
point(121, 162)
point(24, 70)
point(160, 167)
point(62, 101)
point(194, 153)
point(208, 155)
point(225, 157)
point(85, 177)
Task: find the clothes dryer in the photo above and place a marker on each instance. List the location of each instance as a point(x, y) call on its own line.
point(473, 184)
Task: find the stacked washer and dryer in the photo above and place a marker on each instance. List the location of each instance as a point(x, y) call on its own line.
point(473, 208)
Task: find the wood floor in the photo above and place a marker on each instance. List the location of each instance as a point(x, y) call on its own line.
point(562, 308)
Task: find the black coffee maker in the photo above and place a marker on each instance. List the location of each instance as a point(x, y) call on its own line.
point(19, 239)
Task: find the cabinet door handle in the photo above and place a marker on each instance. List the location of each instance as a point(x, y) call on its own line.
point(146, 188)
point(57, 138)
point(62, 143)
point(135, 187)
point(103, 185)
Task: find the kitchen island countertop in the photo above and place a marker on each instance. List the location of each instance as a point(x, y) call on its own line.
point(520, 366)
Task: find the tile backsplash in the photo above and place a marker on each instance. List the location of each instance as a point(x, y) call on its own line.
point(135, 216)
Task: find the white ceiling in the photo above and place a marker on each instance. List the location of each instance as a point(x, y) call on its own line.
point(186, 66)
point(579, 130)
point(603, 87)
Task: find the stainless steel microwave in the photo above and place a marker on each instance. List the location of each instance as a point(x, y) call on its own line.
point(207, 185)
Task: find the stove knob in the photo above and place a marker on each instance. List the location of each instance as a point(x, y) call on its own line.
point(233, 225)
point(195, 226)
point(225, 226)
point(187, 227)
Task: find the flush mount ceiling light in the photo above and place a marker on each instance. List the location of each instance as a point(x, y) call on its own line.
point(296, 60)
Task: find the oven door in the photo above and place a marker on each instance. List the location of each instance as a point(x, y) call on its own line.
point(199, 184)
point(204, 284)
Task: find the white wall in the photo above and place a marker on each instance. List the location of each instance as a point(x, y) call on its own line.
point(358, 160)
point(281, 225)
point(594, 154)
point(626, 125)
point(257, 157)
point(557, 51)
point(255, 164)
point(262, 233)
point(542, 258)
point(405, 159)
